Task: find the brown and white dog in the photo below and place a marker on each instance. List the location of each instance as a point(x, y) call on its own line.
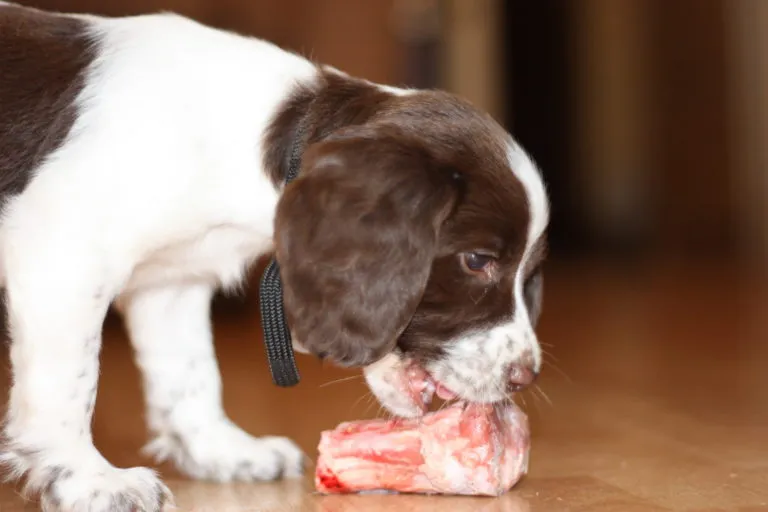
point(142, 164)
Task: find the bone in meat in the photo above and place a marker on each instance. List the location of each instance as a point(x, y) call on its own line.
point(463, 449)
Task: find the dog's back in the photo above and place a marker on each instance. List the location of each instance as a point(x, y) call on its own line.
point(43, 58)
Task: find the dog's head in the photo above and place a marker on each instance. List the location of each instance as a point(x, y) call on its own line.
point(416, 234)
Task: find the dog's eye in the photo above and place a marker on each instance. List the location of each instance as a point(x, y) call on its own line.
point(476, 262)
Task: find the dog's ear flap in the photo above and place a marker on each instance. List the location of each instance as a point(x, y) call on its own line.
point(356, 234)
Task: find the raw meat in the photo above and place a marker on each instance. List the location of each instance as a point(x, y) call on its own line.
point(463, 449)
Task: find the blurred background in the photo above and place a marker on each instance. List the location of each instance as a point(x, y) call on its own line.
point(649, 120)
point(647, 117)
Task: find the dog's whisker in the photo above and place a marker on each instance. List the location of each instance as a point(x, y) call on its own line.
point(482, 296)
point(558, 370)
point(370, 403)
point(536, 400)
point(522, 397)
point(338, 381)
point(365, 395)
point(543, 395)
point(549, 354)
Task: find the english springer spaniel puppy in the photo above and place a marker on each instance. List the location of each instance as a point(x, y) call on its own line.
point(143, 164)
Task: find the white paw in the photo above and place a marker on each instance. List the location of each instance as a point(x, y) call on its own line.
point(84, 484)
point(224, 453)
point(108, 489)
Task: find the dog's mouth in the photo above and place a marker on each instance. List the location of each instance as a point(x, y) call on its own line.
point(424, 386)
point(404, 387)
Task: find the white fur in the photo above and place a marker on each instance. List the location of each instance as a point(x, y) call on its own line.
point(171, 332)
point(157, 198)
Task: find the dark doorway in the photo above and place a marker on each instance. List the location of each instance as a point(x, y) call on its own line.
point(539, 110)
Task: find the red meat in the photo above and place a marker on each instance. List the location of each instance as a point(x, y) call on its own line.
point(463, 449)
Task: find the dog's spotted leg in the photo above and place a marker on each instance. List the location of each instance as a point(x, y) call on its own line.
point(55, 315)
point(171, 331)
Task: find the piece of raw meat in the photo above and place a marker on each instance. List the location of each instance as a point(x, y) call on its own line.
point(463, 449)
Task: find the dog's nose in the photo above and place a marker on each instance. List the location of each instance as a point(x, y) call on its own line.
point(520, 376)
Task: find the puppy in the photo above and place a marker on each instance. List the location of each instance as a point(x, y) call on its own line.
point(143, 164)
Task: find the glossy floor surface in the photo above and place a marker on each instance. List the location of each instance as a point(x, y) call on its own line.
point(654, 397)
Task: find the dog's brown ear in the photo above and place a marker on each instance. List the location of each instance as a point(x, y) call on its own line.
point(356, 234)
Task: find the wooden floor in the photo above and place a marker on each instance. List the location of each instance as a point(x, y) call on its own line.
point(655, 397)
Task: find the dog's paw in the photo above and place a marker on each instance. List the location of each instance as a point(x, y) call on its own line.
point(108, 489)
point(225, 453)
point(90, 484)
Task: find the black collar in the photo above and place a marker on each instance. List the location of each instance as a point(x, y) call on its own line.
point(277, 335)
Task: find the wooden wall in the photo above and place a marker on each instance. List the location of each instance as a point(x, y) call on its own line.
point(747, 71)
point(661, 90)
point(357, 36)
point(669, 110)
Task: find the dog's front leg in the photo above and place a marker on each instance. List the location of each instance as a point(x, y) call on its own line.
point(56, 305)
point(171, 331)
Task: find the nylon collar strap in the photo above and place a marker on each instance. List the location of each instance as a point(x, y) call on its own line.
point(277, 335)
